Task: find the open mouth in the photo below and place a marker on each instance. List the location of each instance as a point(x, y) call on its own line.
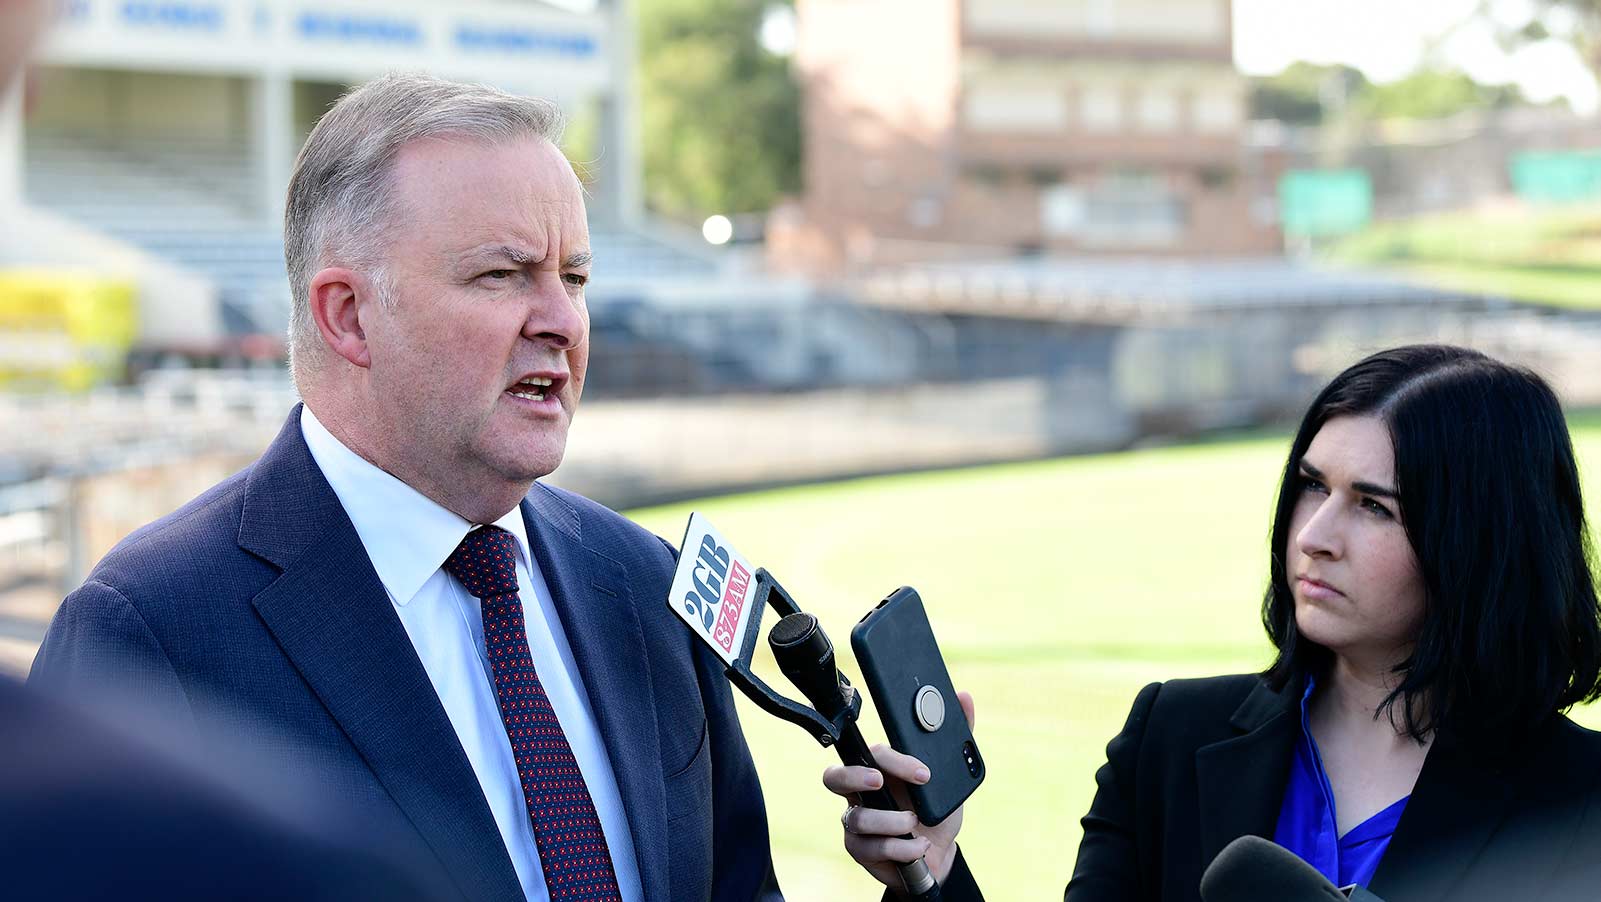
point(536, 388)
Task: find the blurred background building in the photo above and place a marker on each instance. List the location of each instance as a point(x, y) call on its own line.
point(1015, 127)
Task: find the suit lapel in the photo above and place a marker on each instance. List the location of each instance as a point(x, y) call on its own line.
point(331, 616)
point(1455, 808)
point(592, 597)
point(1240, 781)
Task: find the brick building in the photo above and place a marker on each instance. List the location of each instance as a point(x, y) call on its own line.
point(1021, 126)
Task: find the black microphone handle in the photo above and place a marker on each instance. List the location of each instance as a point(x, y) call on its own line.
point(805, 655)
point(915, 876)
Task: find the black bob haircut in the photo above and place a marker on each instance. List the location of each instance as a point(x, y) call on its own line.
point(1489, 495)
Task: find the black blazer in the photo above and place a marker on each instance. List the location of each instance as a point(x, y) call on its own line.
point(1202, 762)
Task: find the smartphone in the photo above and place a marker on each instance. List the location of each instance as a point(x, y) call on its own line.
point(905, 674)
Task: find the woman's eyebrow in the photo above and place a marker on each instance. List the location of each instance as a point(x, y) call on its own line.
point(1369, 488)
point(1366, 488)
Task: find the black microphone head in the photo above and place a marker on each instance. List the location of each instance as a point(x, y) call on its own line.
point(806, 656)
point(1252, 869)
point(793, 629)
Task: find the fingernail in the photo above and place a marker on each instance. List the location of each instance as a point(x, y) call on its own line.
point(921, 774)
point(874, 780)
point(926, 846)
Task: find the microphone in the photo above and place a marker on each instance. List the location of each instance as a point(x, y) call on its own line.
point(805, 655)
point(1252, 869)
point(720, 595)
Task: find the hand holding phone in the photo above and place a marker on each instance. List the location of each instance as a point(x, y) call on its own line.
point(877, 839)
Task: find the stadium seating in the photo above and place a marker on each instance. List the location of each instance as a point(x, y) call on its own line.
point(182, 200)
point(190, 201)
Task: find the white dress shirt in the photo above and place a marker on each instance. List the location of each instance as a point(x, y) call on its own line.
point(408, 537)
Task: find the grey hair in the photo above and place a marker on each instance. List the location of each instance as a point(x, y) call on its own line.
point(340, 195)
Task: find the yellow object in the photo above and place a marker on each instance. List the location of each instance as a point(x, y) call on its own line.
point(63, 330)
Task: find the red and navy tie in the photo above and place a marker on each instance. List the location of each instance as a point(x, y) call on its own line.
point(572, 848)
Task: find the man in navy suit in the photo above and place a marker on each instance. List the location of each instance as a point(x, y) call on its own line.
point(482, 666)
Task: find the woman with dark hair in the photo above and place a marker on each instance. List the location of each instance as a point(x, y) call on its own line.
point(1434, 612)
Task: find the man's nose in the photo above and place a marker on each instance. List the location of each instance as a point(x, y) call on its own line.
point(555, 316)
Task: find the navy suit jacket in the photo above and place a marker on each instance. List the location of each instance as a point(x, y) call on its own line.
point(256, 604)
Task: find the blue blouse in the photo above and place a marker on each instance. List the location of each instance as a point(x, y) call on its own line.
point(1307, 825)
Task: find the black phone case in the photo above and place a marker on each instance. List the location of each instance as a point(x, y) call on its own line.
point(895, 648)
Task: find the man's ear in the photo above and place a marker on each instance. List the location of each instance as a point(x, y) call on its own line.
point(337, 297)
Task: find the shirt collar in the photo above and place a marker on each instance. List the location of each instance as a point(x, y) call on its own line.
point(1306, 704)
point(407, 535)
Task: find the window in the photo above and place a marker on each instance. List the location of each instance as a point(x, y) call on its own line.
point(1101, 108)
point(1015, 108)
point(1158, 109)
point(1216, 110)
point(1133, 207)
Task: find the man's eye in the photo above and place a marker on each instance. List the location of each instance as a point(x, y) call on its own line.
point(576, 278)
point(498, 275)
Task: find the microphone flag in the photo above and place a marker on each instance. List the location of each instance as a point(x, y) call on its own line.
point(711, 587)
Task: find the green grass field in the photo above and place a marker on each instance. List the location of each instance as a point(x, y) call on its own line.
point(1545, 255)
point(1056, 589)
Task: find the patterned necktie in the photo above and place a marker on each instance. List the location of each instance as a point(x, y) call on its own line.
point(572, 848)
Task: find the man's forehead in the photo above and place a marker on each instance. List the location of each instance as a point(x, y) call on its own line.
point(521, 195)
point(443, 171)
point(522, 254)
point(537, 155)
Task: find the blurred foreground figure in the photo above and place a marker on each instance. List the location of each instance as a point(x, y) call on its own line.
point(20, 23)
point(482, 668)
point(89, 812)
point(1432, 606)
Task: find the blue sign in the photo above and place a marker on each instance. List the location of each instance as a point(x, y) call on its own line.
point(524, 41)
point(1557, 176)
point(359, 29)
point(1319, 203)
point(174, 15)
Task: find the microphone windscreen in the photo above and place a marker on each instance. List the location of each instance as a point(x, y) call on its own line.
point(1252, 869)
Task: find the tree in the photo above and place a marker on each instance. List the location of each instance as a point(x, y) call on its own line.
point(1305, 93)
point(1308, 94)
point(1433, 94)
point(1575, 22)
point(720, 114)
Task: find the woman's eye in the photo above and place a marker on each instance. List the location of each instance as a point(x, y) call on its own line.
point(1308, 484)
point(1376, 508)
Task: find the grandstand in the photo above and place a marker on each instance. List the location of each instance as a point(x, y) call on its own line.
point(187, 199)
point(180, 198)
point(170, 128)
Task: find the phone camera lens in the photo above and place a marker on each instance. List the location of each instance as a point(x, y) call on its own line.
point(970, 755)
